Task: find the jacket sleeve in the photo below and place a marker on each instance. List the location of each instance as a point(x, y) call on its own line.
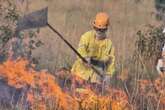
point(111, 65)
point(83, 45)
point(109, 57)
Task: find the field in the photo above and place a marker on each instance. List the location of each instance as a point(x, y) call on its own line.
point(127, 17)
point(46, 60)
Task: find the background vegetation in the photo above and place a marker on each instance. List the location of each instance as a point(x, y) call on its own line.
point(127, 17)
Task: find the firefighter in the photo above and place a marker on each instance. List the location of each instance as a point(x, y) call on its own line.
point(97, 49)
point(161, 62)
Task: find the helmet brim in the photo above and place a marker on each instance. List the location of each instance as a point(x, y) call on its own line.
point(99, 27)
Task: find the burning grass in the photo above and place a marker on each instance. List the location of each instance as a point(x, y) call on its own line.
point(40, 86)
point(152, 93)
point(43, 93)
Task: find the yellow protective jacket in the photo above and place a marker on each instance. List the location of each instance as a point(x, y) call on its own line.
point(101, 50)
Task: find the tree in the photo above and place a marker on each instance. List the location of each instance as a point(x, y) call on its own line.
point(11, 44)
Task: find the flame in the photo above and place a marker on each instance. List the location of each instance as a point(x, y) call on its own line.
point(44, 93)
point(155, 90)
point(90, 100)
point(42, 85)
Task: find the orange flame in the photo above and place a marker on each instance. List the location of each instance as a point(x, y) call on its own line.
point(44, 93)
point(154, 89)
point(41, 83)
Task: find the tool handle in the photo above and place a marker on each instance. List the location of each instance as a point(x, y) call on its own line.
point(78, 54)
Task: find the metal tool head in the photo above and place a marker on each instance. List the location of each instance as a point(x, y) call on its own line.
point(33, 20)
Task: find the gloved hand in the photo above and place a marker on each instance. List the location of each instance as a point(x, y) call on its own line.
point(88, 59)
point(108, 61)
point(162, 69)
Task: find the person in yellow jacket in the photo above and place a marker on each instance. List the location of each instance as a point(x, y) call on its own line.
point(97, 49)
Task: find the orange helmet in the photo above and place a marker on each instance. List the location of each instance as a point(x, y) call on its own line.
point(101, 20)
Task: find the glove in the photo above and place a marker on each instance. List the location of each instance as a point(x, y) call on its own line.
point(97, 63)
point(162, 69)
point(88, 59)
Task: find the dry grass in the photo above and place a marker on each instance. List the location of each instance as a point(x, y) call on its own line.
point(42, 92)
point(72, 18)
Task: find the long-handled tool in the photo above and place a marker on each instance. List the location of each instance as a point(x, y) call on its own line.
point(40, 19)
